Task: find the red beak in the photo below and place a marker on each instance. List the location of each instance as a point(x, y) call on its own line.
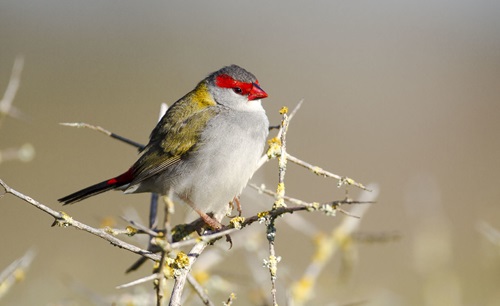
point(256, 93)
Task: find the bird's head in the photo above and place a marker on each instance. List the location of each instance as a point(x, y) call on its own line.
point(236, 88)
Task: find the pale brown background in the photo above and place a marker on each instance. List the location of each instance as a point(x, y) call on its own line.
point(402, 93)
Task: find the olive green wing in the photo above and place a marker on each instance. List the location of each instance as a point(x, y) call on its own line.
point(176, 135)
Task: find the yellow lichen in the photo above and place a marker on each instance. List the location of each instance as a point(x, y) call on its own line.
point(274, 147)
point(237, 221)
point(262, 214)
point(272, 264)
point(109, 230)
point(283, 110)
point(64, 220)
point(131, 231)
point(168, 269)
point(181, 261)
point(280, 193)
point(281, 189)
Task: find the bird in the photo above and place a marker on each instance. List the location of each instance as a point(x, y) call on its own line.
point(204, 149)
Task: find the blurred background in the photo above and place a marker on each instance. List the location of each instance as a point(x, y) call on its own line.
point(404, 94)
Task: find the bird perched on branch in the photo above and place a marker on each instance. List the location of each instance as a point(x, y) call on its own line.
point(204, 149)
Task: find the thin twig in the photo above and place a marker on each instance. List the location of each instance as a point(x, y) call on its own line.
point(206, 238)
point(104, 131)
point(139, 281)
point(266, 157)
point(295, 110)
point(141, 228)
point(163, 110)
point(324, 207)
point(321, 172)
point(64, 220)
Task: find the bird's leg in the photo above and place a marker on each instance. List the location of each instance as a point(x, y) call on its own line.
point(214, 224)
point(238, 205)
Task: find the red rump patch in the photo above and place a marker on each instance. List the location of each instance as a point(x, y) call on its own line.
point(121, 179)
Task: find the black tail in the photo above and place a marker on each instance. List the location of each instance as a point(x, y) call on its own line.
point(89, 192)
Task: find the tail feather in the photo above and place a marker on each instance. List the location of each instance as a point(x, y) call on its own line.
point(98, 188)
point(87, 193)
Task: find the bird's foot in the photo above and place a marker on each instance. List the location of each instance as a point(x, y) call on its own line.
point(236, 201)
point(210, 221)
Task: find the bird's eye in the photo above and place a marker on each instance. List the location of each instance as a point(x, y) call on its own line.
point(238, 90)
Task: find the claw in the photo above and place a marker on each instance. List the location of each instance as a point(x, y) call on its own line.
point(238, 205)
point(228, 239)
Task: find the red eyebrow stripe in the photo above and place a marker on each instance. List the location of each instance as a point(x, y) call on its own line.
point(225, 81)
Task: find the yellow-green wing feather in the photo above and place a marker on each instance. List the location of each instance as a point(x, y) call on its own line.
point(176, 134)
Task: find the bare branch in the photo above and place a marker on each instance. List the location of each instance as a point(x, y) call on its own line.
point(180, 278)
point(104, 131)
point(327, 208)
point(64, 220)
point(295, 110)
point(141, 227)
point(139, 281)
point(321, 172)
point(272, 262)
point(163, 110)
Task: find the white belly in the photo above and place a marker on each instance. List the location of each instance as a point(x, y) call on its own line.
point(225, 161)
